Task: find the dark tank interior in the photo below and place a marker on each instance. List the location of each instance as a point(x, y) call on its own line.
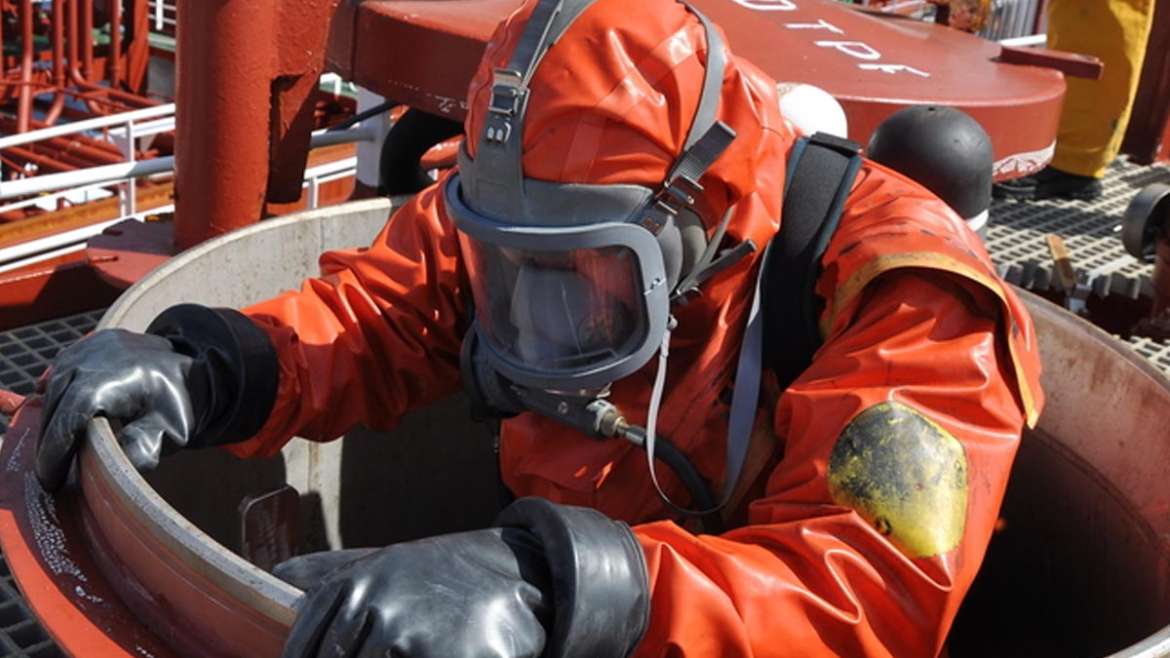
point(1071, 572)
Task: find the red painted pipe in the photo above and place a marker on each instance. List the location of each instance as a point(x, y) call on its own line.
point(226, 65)
point(87, 37)
point(24, 110)
point(115, 43)
point(81, 66)
point(54, 112)
point(46, 163)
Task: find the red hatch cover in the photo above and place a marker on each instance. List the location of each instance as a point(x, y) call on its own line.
point(424, 52)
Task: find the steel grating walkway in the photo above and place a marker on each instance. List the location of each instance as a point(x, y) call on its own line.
point(1091, 230)
point(24, 355)
point(1016, 236)
point(26, 352)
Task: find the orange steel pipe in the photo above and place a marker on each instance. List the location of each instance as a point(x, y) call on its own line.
point(54, 112)
point(115, 42)
point(87, 37)
point(81, 66)
point(135, 75)
point(226, 62)
point(24, 109)
point(48, 163)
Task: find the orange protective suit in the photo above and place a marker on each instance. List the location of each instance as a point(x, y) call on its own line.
point(914, 318)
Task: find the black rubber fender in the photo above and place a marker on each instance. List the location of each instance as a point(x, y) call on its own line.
point(1145, 217)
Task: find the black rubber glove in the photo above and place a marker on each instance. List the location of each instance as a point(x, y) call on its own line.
point(198, 377)
point(555, 581)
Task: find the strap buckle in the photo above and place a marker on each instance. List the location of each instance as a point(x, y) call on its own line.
point(508, 91)
point(508, 96)
point(677, 193)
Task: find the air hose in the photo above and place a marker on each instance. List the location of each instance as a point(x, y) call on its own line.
point(668, 453)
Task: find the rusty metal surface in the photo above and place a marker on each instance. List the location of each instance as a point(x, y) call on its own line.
point(424, 54)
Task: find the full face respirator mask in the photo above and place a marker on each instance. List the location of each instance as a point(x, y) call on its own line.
point(573, 284)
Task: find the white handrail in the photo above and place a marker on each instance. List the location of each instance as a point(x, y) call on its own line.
point(27, 253)
point(121, 172)
point(115, 173)
point(50, 198)
point(88, 124)
point(1025, 41)
point(161, 9)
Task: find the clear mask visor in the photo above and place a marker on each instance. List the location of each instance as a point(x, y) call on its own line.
point(557, 311)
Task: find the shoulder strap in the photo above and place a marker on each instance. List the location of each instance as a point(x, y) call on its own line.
point(781, 330)
point(821, 171)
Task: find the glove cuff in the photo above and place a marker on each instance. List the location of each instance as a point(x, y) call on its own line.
point(235, 373)
point(600, 589)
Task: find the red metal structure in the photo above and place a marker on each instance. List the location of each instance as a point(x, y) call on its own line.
point(56, 52)
point(237, 153)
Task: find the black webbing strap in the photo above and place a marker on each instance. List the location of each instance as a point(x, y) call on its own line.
point(821, 172)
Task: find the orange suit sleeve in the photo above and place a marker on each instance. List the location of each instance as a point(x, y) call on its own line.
point(376, 335)
point(900, 438)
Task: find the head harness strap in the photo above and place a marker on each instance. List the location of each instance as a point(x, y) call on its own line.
point(499, 156)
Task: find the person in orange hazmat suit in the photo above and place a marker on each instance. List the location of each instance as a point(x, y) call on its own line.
point(599, 245)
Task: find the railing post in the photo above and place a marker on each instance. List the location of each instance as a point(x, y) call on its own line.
point(131, 156)
point(314, 192)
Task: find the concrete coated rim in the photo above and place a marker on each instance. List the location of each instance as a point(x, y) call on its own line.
point(107, 469)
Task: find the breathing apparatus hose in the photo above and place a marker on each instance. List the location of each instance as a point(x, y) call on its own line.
point(669, 454)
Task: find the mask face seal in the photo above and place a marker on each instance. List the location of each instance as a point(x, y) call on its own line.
point(563, 307)
point(572, 282)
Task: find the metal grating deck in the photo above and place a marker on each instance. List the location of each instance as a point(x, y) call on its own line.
point(20, 635)
point(27, 351)
point(24, 355)
point(1091, 230)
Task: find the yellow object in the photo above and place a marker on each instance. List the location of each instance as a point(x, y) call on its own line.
point(1096, 112)
point(904, 475)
